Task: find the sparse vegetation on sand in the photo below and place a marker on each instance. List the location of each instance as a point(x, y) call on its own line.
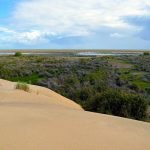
point(22, 86)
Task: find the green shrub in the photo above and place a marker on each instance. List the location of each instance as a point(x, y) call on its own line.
point(85, 93)
point(119, 103)
point(134, 87)
point(22, 86)
point(138, 107)
point(146, 53)
point(17, 54)
point(147, 89)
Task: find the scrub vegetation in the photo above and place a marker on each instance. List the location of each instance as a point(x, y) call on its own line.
point(117, 85)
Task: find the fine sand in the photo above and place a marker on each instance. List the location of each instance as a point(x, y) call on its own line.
point(43, 120)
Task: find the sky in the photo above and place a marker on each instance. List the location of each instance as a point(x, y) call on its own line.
point(75, 24)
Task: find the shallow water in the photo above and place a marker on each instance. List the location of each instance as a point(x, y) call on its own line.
point(72, 54)
point(103, 54)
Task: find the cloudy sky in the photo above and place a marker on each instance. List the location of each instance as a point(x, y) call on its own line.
point(109, 24)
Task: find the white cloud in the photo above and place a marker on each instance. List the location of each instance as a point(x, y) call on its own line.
point(63, 15)
point(30, 37)
point(36, 19)
point(116, 35)
point(6, 30)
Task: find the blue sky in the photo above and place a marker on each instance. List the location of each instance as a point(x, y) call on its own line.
point(97, 24)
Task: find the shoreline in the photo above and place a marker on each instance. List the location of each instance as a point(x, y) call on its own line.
point(73, 52)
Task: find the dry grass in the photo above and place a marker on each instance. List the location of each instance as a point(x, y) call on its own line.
point(22, 86)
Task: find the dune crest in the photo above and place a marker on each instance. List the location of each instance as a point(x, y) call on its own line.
point(36, 95)
point(42, 120)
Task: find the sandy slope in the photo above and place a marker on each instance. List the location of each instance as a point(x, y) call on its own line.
point(44, 120)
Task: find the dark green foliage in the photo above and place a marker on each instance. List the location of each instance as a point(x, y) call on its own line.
point(31, 79)
point(97, 76)
point(138, 106)
point(147, 90)
point(119, 103)
point(134, 87)
point(18, 54)
point(85, 93)
point(146, 53)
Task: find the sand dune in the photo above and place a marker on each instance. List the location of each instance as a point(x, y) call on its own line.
point(44, 120)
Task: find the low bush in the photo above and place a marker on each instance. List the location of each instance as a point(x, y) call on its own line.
point(17, 54)
point(146, 53)
point(22, 86)
point(119, 103)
